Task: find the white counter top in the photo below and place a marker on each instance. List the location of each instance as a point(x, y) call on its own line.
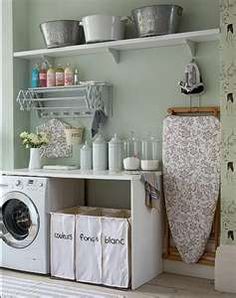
point(77, 174)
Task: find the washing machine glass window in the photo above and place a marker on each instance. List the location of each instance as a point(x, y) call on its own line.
point(20, 220)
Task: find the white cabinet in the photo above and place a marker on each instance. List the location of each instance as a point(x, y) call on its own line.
point(146, 223)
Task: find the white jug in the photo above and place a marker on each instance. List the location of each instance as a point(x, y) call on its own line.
point(86, 157)
point(99, 154)
point(115, 154)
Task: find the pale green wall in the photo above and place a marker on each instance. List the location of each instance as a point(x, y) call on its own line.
point(20, 77)
point(145, 82)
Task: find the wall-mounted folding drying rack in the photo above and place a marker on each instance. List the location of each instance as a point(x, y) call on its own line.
point(68, 101)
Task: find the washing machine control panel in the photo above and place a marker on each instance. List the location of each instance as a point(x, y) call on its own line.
point(32, 184)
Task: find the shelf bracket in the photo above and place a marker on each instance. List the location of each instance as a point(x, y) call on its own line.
point(192, 47)
point(115, 54)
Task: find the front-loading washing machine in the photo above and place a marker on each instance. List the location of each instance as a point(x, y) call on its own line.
point(25, 206)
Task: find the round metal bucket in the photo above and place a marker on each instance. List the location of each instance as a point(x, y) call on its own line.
point(157, 19)
point(62, 33)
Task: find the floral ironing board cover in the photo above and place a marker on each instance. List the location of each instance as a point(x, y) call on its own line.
point(191, 173)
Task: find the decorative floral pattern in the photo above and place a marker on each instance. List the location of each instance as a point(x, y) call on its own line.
point(57, 147)
point(191, 169)
point(228, 119)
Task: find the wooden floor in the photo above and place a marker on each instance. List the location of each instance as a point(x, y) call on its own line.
point(164, 286)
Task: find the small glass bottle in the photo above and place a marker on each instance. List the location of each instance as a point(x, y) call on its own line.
point(76, 77)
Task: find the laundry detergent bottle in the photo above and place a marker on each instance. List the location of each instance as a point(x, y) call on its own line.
point(51, 77)
point(69, 75)
point(35, 76)
point(43, 75)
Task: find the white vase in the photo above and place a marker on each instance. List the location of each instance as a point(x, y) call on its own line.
point(35, 161)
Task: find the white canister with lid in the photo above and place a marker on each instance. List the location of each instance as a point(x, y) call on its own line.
point(86, 157)
point(99, 153)
point(115, 154)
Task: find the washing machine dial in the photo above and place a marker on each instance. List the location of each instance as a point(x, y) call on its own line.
point(18, 183)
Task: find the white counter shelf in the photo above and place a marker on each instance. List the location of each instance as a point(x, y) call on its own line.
point(78, 174)
point(68, 101)
point(190, 39)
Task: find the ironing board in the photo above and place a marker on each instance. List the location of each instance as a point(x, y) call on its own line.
point(191, 176)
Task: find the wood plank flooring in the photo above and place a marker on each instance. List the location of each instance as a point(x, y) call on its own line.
point(164, 286)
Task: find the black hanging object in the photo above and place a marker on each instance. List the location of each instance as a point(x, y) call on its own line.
point(193, 81)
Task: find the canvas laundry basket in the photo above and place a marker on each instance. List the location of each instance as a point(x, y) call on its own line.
point(116, 248)
point(103, 248)
point(63, 229)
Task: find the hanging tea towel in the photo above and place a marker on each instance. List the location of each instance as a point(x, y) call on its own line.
point(191, 175)
point(152, 194)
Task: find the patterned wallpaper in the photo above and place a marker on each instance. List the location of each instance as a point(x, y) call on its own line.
point(228, 118)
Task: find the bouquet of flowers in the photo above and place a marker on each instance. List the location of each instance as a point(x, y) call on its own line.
point(34, 140)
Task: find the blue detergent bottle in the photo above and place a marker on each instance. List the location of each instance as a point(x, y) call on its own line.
point(35, 76)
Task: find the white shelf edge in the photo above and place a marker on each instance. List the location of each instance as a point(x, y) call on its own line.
point(76, 174)
point(82, 85)
point(113, 47)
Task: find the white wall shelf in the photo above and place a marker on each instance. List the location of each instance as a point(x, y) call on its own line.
point(190, 39)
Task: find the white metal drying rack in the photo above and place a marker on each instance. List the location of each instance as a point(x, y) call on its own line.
point(68, 101)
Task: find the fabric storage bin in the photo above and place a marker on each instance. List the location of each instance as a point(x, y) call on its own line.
point(116, 248)
point(88, 248)
point(103, 247)
point(63, 230)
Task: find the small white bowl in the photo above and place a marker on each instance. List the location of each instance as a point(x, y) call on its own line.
point(131, 163)
point(149, 165)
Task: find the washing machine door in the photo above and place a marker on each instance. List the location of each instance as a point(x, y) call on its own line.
point(20, 220)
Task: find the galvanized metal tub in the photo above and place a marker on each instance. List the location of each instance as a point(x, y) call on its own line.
point(157, 19)
point(62, 33)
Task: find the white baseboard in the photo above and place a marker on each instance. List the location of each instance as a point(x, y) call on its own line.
point(225, 269)
point(194, 270)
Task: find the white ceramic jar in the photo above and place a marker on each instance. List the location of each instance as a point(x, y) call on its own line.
point(86, 157)
point(99, 153)
point(115, 154)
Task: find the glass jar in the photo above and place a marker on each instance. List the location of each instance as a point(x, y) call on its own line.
point(132, 151)
point(150, 154)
